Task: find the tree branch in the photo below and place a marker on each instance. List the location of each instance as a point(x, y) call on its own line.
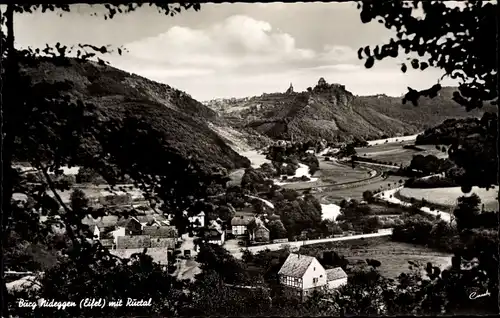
point(69, 229)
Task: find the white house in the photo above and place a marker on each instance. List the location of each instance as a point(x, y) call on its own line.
point(305, 274)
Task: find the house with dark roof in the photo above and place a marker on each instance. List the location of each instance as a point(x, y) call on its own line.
point(304, 274)
point(239, 225)
point(259, 232)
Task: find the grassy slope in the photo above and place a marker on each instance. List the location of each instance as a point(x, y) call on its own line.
point(181, 119)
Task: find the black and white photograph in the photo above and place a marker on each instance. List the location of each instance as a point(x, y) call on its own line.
point(249, 159)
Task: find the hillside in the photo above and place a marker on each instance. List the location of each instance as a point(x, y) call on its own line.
point(181, 121)
point(331, 112)
point(472, 141)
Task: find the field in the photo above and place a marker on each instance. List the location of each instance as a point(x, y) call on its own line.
point(332, 173)
point(335, 196)
point(395, 153)
point(393, 139)
point(394, 256)
point(448, 196)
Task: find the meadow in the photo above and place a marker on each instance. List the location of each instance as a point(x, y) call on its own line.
point(331, 173)
point(394, 256)
point(335, 196)
point(395, 153)
point(448, 196)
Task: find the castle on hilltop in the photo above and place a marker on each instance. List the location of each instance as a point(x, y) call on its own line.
point(322, 84)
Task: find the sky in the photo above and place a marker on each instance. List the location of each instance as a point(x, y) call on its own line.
point(235, 50)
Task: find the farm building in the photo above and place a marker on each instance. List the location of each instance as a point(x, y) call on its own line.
point(336, 277)
point(305, 274)
point(259, 233)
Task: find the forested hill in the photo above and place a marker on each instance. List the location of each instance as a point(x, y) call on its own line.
point(330, 111)
point(180, 120)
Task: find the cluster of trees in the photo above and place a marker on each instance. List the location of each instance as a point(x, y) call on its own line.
point(358, 217)
point(286, 159)
point(347, 150)
point(430, 164)
point(298, 214)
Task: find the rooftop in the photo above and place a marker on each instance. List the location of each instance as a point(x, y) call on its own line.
point(133, 241)
point(241, 220)
point(159, 255)
point(335, 273)
point(296, 265)
point(160, 231)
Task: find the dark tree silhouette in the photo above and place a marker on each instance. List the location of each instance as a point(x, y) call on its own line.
point(49, 130)
point(460, 41)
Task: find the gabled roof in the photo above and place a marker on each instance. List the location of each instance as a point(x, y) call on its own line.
point(150, 218)
point(160, 231)
point(262, 227)
point(103, 221)
point(133, 241)
point(335, 273)
point(241, 220)
point(296, 265)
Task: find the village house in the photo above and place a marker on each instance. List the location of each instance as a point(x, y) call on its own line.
point(336, 277)
point(108, 232)
point(260, 233)
point(161, 236)
point(215, 236)
point(197, 220)
point(304, 274)
point(133, 241)
point(213, 233)
point(239, 225)
point(106, 227)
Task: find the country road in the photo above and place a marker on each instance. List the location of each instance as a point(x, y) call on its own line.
point(389, 197)
point(236, 250)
